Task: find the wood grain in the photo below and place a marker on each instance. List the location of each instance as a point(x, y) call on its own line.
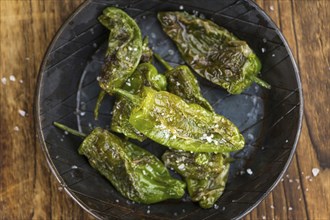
point(28, 190)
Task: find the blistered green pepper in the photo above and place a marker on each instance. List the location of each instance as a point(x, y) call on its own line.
point(137, 174)
point(205, 174)
point(145, 75)
point(170, 121)
point(124, 48)
point(182, 82)
point(212, 51)
point(145, 58)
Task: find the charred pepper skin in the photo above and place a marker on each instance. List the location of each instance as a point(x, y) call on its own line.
point(145, 58)
point(144, 75)
point(124, 48)
point(205, 174)
point(136, 173)
point(182, 82)
point(166, 119)
point(212, 51)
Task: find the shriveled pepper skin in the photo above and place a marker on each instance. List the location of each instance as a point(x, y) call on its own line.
point(205, 174)
point(124, 48)
point(170, 121)
point(144, 75)
point(182, 82)
point(134, 172)
point(212, 51)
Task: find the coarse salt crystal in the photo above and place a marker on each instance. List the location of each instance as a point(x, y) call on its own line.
point(263, 217)
point(22, 112)
point(181, 167)
point(315, 171)
point(16, 128)
point(117, 200)
point(215, 206)
point(4, 80)
point(12, 78)
point(21, 81)
point(271, 8)
point(74, 167)
point(181, 7)
point(148, 211)
point(27, 58)
point(263, 50)
point(272, 207)
point(290, 208)
point(249, 171)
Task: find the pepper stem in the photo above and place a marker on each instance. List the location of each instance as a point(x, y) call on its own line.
point(70, 130)
point(163, 62)
point(261, 82)
point(134, 98)
point(98, 104)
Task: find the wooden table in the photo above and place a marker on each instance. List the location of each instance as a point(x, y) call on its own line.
point(28, 190)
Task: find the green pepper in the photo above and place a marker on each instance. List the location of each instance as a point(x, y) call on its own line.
point(167, 119)
point(182, 82)
point(145, 58)
point(124, 48)
point(212, 51)
point(145, 75)
point(136, 173)
point(205, 174)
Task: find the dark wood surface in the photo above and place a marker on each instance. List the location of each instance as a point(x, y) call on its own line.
point(28, 190)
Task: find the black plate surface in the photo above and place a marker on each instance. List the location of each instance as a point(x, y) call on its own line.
point(270, 120)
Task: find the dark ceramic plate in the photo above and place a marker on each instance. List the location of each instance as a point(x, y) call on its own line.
point(270, 120)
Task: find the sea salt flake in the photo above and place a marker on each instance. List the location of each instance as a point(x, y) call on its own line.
point(263, 217)
point(290, 208)
point(12, 78)
point(16, 128)
point(181, 167)
point(272, 207)
point(117, 200)
point(22, 112)
point(249, 171)
point(148, 211)
point(315, 171)
point(271, 8)
point(74, 167)
point(263, 50)
point(4, 80)
point(181, 7)
point(215, 206)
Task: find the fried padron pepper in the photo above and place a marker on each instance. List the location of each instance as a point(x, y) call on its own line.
point(182, 82)
point(123, 54)
point(205, 174)
point(144, 75)
point(166, 119)
point(124, 48)
point(212, 51)
point(136, 173)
